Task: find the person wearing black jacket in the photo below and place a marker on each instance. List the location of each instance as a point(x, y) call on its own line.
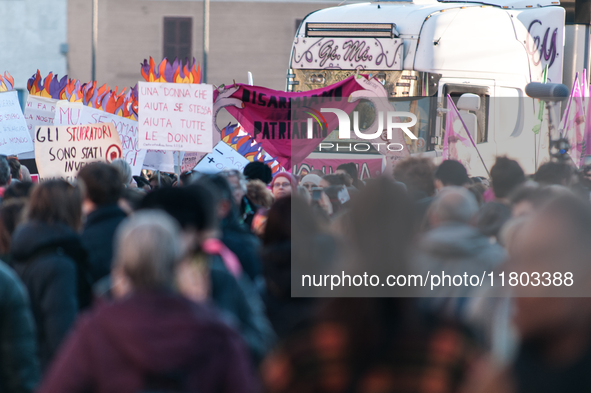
point(103, 186)
point(49, 258)
point(19, 369)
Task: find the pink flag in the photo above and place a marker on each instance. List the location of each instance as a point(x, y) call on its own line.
point(586, 149)
point(573, 123)
point(457, 142)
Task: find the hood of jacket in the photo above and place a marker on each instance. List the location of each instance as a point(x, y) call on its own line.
point(34, 237)
point(459, 244)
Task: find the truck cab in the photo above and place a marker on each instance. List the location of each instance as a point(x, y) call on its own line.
point(422, 50)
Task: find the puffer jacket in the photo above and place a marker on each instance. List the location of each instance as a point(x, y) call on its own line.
point(19, 369)
point(51, 262)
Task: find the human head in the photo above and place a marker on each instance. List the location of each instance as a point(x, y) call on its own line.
point(147, 251)
point(452, 205)
point(193, 206)
point(102, 185)
point(258, 170)
point(142, 183)
point(530, 196)
point(5, 175)
point(553, 239)
point(310, 181)
point(417, 174)
point(350, 169)
point(333, 180)
point(506, 174)
point(15, 168)
point(237, 182)
point(124, 170)
point(54, 202)
point(451, 173)
point(160, 180)
point(282, 185)
point(224, 205)
point(25, 174)
point(10, 216)
point(18, 190)
point(259, 194)
point(559, 173)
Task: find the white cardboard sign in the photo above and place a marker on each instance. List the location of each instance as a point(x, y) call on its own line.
point(223, 157)
point(39, 111)
point(14, 136)
point(70, 113)
point(60, 151)
point(175, 116)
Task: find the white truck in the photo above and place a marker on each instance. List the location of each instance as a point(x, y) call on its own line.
point(422, 50)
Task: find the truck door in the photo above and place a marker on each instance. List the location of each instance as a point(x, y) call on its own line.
point(480, 122)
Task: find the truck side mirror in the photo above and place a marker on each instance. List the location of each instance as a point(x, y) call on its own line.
point(469, 102)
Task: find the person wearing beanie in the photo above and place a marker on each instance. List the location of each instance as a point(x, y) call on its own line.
point(282, 185)
point(258, 170)
point(310, 180)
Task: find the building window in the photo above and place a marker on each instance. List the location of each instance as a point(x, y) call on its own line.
point(177, 38)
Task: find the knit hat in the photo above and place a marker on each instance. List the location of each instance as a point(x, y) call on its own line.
point(286, 175)
point(311, 178)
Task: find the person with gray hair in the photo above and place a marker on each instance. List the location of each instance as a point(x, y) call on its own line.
point(124, 171)
point(454, 246)
point(151, 338)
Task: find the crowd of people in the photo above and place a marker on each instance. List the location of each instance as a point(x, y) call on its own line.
point(121, 283)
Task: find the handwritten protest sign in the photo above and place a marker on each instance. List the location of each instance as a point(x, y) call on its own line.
point(222, 157)
point(14, 137)
point(60, 151)
point(175, 116)
point(39, 111)
point(70, 113)
point(190, 160)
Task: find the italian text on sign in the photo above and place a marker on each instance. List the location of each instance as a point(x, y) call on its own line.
point(175, 116)
point(61, 151)
point(14, 137)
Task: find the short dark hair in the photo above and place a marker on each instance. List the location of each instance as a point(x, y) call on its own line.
point(21, 189)
point(4, 171)
point(335, 179)
point(417, 174)
point(554, 173)
point(192, 206)
point(15, 167)
point(452, 173)
point(102, 183)
point(351, 169)
point(506, 174)
point(258, 170)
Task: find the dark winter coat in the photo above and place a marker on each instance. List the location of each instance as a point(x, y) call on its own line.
point(52, 264)
point(98, 236)
point(19, 369)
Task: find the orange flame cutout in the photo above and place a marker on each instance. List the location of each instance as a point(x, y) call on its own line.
point(175, 72)
point(6, 83)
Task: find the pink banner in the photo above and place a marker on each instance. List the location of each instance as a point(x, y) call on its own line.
point(367, 168)
point(278, 120)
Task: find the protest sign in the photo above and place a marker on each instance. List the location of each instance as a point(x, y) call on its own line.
point(222, 157)
point(175, 116)
point(60, 151)
point(14, 137)
point(190, 160)
point(161, 160)
point(39, 111)
point(70, 113)
point(367, 167)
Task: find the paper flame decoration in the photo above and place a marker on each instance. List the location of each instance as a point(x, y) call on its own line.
point(49, 87)
point(6, 83)
point(123, 104)
point(247, 147)
point(171, 73)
